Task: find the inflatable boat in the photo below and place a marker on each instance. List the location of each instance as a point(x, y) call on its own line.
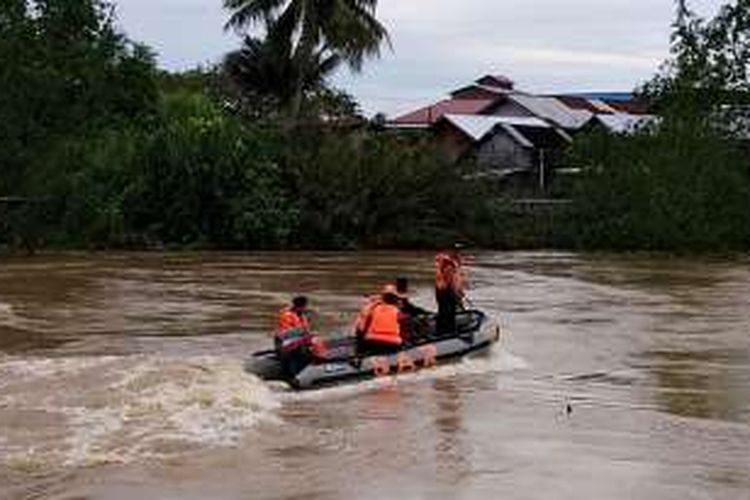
point(474, 333)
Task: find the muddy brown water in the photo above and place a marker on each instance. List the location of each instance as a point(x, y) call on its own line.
point(121, 377)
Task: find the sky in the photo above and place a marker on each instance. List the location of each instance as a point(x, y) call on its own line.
point(441, 45)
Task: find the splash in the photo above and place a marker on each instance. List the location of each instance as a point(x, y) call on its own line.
point(6, 311)
point(87, 411)
point(496, 360)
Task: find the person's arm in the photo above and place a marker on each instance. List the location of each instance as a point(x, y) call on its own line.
point(459, 284)
point(411, 309)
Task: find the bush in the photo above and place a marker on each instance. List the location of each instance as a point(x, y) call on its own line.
point(378, 190)
point(680, 186)
point(193, 177)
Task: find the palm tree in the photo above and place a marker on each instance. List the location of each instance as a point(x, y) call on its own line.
point(265, 71)
point(314, 29)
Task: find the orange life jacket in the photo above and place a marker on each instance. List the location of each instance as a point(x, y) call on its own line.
point(448, 273)
point(365, 313)
point(449, 276)
point(384, 325)
point(292, 331)
point(290, 320)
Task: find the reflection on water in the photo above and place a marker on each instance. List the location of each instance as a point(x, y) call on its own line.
point(702, 384)
point(120, 377)
point(451, 453)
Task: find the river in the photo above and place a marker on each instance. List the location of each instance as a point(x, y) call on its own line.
point(617, 377)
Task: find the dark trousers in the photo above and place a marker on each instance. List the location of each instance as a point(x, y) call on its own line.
point(447, 302)
point(293, 361)
point(368, 348)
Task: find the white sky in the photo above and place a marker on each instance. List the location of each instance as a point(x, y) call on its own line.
point(439, 45)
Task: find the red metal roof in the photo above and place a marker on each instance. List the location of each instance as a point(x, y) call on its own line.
point(577, 102)
point(430, 114)
point(633, 106)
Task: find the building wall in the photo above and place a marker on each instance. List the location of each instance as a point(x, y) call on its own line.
point(453, 143)
point(502, 152)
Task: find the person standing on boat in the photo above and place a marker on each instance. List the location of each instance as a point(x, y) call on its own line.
point(294, 342)
point(379, 326)
point(449, 290)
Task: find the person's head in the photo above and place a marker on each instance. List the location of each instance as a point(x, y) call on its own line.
point(455, 252)
point(402, 286)
point(299, 303)
point(446, 261)
point(389, 294)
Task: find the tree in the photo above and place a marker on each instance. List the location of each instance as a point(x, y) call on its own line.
point(313, 30)
point(710, 62)
point(683, 183)
point(264, 76)
point(65, 71)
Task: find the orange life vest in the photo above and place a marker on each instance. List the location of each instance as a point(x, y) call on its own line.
point(384, 325)
point(292, 331)
point(448, 273)
point(290, 320)
point(365, 313)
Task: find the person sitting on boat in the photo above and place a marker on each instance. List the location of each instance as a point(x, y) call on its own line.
point(407, 306)
point(294, 342)
point(449, 290)
point(412, 315)
point(379, 331)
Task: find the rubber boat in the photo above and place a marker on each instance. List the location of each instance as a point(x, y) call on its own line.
point(475, 333)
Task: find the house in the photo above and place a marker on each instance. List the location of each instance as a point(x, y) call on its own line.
point(498, 142)
point(510, 131)
point(504, 146)
point(621, 123)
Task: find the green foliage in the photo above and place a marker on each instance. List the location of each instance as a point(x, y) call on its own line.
point(193, 177)
point(305, 41)
point(197, 177)
point(684, 183)
point(65, 71)
point(679, 187)
point(265, 78)
point(203, 178)
point(709, 64)
point(365, 189)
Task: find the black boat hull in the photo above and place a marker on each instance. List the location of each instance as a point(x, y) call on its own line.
point(477, 334)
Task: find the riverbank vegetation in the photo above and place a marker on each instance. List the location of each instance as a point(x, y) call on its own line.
point(101, 149)
point(683, 182)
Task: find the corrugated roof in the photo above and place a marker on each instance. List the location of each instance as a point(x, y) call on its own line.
point(500, 81)
point(633, 106)
point(517, 135)
point(602, 107)
point(430, 114)
point(576, 102)
point(478, 126)
point(623, 123)
point(489, 89)
point(552, 109)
